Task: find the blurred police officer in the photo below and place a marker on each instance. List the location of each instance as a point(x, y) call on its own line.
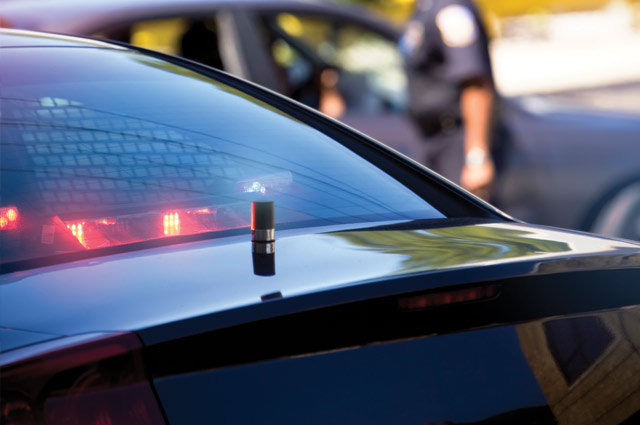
point(451, 90)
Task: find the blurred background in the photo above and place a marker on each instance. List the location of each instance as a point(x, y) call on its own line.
point(575, 52)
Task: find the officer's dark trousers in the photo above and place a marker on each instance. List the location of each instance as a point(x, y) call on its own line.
point(445, 153)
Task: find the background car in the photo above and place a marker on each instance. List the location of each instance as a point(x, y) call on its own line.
point(137, 285)
point(565, 167)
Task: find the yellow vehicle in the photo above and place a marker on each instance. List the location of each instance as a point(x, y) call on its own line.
point(504, 8)
point(400, 10)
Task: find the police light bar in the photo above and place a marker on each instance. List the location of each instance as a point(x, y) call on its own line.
point(9, 218)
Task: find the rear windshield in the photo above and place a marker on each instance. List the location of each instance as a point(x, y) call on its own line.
point(105, 147)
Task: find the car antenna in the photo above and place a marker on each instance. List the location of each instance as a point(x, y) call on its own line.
point(263, 242)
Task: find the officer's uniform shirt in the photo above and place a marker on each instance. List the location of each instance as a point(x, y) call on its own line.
point(446, 39)
point(444, 45)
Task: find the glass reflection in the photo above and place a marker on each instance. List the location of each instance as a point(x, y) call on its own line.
point(588, 367)
point(433, 248)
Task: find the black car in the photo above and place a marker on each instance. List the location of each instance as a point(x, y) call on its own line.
point(180, 246)
point(566, 167)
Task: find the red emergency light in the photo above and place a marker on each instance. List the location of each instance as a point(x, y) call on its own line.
point(171, 224)
point(8, 218)
point(93, 233)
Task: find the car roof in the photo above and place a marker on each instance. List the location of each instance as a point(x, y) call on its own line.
point(81, 16)
point(11, 38)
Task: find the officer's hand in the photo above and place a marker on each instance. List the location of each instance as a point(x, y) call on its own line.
point(478, 178)
point(331, 101)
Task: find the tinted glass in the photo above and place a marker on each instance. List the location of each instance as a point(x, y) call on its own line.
point(106, 147)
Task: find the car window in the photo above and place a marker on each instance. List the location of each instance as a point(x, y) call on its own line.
point(371, 80)
point(193, 38)
point(111, 147)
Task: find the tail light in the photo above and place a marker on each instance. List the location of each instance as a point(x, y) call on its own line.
point(439, 299)
point(97, 379)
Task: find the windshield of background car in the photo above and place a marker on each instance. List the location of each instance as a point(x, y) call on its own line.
point(372, 77)
point(104, 147)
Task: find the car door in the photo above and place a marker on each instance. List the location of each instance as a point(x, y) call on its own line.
point(224, 38)
point(372, 82)
point(287, 53)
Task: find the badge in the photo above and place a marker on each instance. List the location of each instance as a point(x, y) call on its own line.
point(457, 26)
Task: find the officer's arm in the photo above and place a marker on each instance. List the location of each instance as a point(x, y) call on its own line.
point(467, 57)
point(476, 104)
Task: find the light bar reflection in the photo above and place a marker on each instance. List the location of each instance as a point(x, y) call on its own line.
point(77, 231)
point(110, 231)
point(8, 218)
point(171, 224)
